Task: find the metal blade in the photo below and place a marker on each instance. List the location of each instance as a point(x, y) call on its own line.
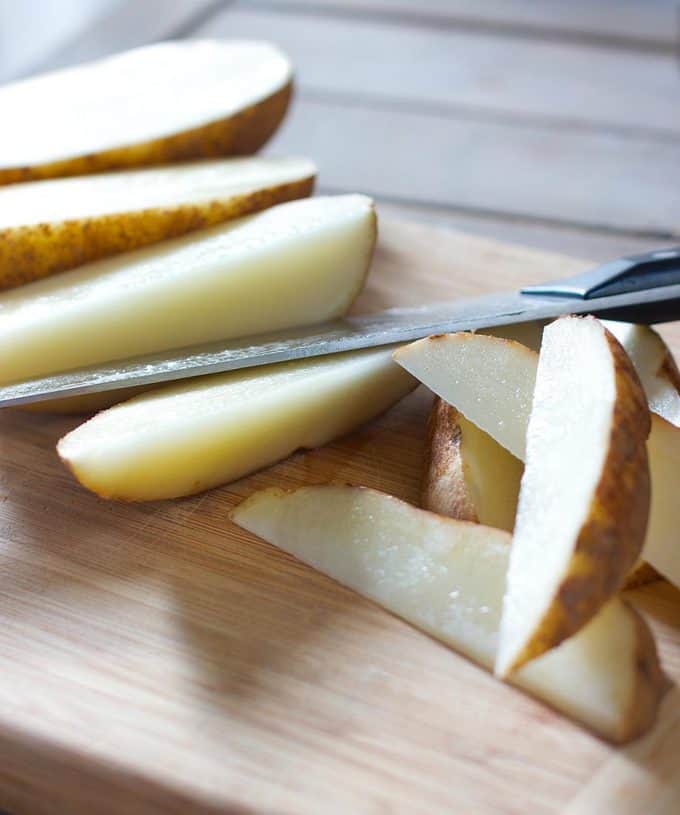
point(383, 328)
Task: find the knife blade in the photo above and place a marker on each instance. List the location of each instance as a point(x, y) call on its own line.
point(656, 304)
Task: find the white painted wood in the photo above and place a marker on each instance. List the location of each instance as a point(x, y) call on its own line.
point(494, 168)
point(469, 72)
point(627, 23)
point(594, 244)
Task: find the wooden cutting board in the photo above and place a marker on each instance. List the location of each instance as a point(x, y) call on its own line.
point(156, 659)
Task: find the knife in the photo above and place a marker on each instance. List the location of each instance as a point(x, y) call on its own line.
point(640, 288)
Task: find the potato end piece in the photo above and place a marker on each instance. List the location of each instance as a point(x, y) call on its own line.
point(650, 683)
point(242, 133)
point(33, 252)
point(611, 539)
point(444, 488)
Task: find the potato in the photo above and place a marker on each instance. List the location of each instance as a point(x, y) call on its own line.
point(168, 102)
point(584, 498)
point(294, 264)
point(55, 225)
point(467, 475)
point(514, 367)
point(447, 578)
point(189, 436)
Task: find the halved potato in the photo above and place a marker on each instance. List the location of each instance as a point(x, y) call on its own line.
point(190, 436)
point(50, 226)
point(447, 578)
point(168, 102)
point(468, 475)
point(294, 264)
point(584, 497)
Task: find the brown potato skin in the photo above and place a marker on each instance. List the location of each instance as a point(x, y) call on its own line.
point(641, 575)
point(33, 252)
point(240, 134)
point(443, 487)
point(669, 370)
point(613, 534)
point(650, 683)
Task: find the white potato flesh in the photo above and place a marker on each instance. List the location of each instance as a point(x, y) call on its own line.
point(191, 436)
point(492, 476)
point(192, 183)
point(662, 544)
point(135, 97)
point(294, 264)
point(568, 436)
point(447, 577)
point(648, 353)
point(488, 379)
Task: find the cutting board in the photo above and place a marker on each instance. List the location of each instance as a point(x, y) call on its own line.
point(157, 659)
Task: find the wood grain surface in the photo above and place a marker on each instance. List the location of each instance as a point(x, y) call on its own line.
point(157, 659)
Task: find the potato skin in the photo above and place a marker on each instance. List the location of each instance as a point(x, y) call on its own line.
point(444, 486)
point(613, 534)
point(649, 686)
point(33, 252)
point(641, 575)
point(240, 134)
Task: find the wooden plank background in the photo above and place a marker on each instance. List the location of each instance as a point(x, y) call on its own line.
point(547, 123)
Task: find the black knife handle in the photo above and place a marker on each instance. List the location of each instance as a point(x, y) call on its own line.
point(628, 274)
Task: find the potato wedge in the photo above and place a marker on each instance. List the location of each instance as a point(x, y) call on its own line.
point(191, 99)
point(50, 226)
point(468, 475)
point(662, 545)
point(426, 360)
point(584, 498)
point(294, 264)
point(490, 380)
point(187, 437)
point(655, 366)
point(447, 578)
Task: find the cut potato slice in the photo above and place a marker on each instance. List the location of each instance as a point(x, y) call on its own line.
point(447, 578)
point(188, 437)
point(294, 264)
point(463, 369)
point(468, 475)
point(51, 226)
point(655, 366)
point(584, 497)
point(168, 102)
